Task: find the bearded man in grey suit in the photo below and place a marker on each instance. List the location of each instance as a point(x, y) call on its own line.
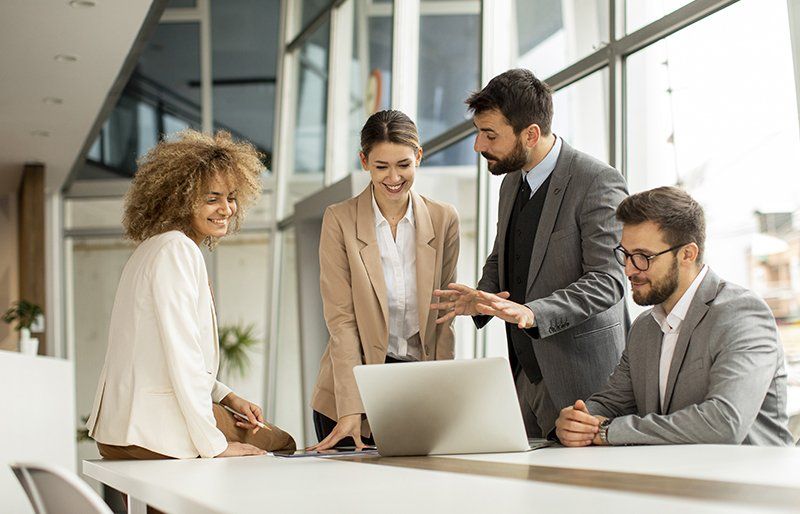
point(551, 275)
point(704, 365)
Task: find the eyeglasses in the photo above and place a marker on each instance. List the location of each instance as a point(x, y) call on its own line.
point(639, 260)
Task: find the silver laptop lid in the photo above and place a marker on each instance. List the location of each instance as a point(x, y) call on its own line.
point(442, 407)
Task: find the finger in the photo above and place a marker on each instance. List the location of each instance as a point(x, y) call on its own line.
point(572, 437)
point(330, 441)
point(324, 441)
point(460, 288)
point(445, 292)
point(578, 427)
point(504, 294)
point(443, 306)
point(447, 317)
point(359, 443)
point(259, 414)
point(250, 415)
point(244, 424)
point(581, 406)
point(584, 417)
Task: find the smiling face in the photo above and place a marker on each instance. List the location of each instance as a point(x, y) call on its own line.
point(213, 216)
point(392, 167)
point(496, 141)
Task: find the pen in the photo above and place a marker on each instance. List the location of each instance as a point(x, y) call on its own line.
point(242, 416)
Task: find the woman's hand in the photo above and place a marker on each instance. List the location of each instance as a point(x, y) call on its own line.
point(240, 449)
point(251, 410)
point(347, 426)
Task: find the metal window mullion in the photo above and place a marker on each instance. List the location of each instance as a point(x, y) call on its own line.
point(182, 15)
point(206, 93)
point(283, 145)
point(668, 25)
point(494, 57)
point(312, 26)
point(338, 113)
point(794, 32)
point(613, 114)
point(405, 56)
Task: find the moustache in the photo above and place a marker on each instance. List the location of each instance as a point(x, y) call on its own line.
point(489, 157)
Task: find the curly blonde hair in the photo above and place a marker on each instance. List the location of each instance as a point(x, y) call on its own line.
point(173, 177)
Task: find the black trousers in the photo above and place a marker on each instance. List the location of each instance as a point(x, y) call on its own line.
point(323, 425)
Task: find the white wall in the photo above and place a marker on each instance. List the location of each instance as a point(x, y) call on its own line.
point(38, 423)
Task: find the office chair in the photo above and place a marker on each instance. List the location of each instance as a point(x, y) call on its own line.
point(53, 490)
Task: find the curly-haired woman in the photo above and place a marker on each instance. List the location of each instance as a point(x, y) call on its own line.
point(158, 394)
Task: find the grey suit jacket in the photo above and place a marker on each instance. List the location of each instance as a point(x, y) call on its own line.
point(726, 384)
point(575, 286)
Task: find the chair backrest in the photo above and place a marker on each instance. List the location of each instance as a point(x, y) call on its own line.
point(54, 490)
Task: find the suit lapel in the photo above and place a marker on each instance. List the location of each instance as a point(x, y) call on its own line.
point(507, 200)
point(370, 253)
point(552, 203)
point(651, 363)
point(426, 261)
point(697, 309)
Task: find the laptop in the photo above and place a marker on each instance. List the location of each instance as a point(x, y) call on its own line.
point(443, 407)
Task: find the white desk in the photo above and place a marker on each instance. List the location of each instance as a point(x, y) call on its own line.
point(694, 478)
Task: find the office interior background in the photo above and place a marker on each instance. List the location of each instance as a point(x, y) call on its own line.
point(701, 94)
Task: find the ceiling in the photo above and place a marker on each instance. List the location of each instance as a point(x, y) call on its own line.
point(32, 34)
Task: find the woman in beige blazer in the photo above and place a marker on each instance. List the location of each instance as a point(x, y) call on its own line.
point(382, 254)
point(158, 394)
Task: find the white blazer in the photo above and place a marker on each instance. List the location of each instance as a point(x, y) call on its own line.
point(160, 374)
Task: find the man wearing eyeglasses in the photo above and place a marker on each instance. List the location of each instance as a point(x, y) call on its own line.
point(704, 365)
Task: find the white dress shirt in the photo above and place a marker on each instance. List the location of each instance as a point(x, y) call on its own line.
point(671, 327)
point(399, 262)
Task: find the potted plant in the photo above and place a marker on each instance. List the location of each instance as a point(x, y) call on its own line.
point(25, 314)
point(234, 341)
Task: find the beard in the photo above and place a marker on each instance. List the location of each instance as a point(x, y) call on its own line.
point(514, 161)
point(661, 290)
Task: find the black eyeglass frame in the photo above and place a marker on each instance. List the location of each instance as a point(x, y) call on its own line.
point(630, 256)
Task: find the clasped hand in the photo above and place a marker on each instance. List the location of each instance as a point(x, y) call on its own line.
point(461, 300)
point(575, 426)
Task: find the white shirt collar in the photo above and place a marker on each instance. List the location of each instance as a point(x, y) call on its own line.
point(539, 173)
point(379, 218)
point(673, 320)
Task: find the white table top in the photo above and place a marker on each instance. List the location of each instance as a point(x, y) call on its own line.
point(740, 464)
point(258, 484)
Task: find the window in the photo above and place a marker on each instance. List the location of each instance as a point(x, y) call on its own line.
point(449, 58)
point(580, 114)
point(723, 124)
point(244, 35)
point(311, 116)
point(552, 34)
point(371, 70)
point(450, 176)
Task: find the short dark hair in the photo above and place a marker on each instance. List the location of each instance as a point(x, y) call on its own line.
point(676, 213)
point(519, 96)
point(389, 127)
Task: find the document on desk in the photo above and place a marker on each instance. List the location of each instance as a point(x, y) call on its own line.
point(334, 452)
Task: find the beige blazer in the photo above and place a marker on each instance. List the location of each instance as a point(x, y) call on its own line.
point(354, 294)
point(160, 374)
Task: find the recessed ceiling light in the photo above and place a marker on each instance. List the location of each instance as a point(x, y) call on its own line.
point(40, 133)
point(81, 3)
point(65, 58)
point(52, 100)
